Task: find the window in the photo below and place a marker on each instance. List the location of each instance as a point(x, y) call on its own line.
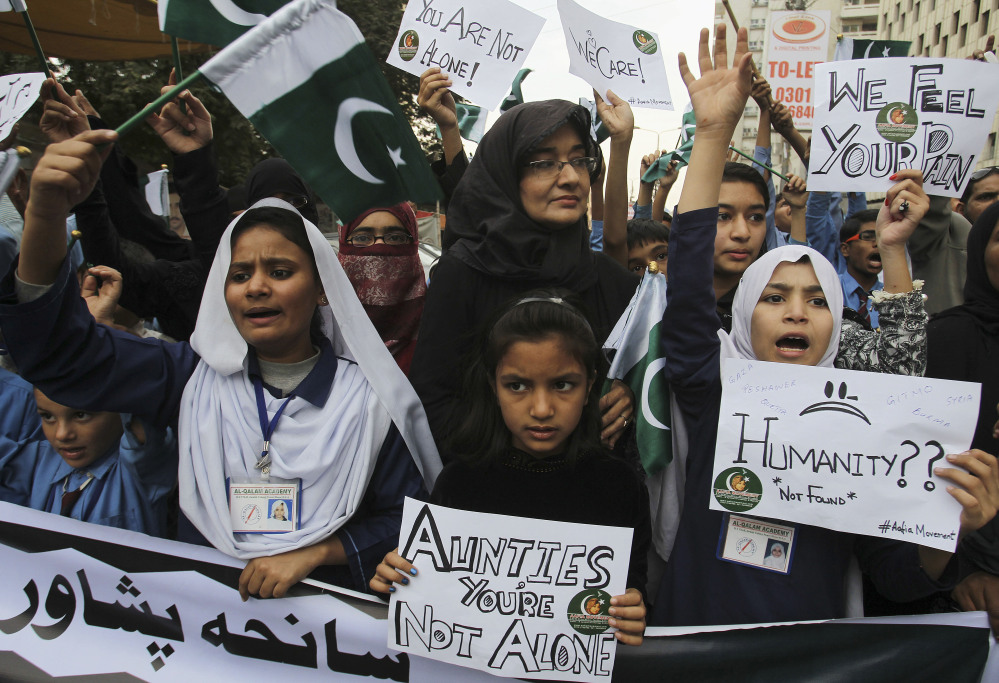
point(943, 47)
point(915, 13)
point(750, 112)
point(954, 22)
point(936, 34)
point(897, 8)
point(962, 36)
point(919, 44)
point(985, 23)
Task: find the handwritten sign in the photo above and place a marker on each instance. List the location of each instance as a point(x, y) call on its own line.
point(845, 450)
point(509, 595)
point(480, 45)
point(17, 93)
point(798, 41)
point(877, 116)
point(613, 56)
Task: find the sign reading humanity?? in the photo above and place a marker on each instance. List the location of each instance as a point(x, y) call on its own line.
point(840, 449)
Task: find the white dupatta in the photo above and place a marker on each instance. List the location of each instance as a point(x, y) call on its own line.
point(332, 448)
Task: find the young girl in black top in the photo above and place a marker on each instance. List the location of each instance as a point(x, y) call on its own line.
point(528, 443)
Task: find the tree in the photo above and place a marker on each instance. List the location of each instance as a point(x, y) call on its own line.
point(120, 89)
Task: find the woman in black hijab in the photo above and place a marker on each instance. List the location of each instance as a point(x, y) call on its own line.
point(963, 344)
point(964, 340)
point(517, 221)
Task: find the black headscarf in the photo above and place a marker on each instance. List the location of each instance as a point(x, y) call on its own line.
point(486, 220)
point(964, 340)
point(277, 175)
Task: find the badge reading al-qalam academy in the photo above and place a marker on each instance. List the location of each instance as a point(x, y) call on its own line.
point(588, 613)
point(737, 489)
point(409, 43)
point(897, 122)
point(645, 42)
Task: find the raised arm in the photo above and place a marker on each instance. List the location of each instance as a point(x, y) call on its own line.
point(662, 194)
point(435, 99)
point(620, 122)
point(796, 195)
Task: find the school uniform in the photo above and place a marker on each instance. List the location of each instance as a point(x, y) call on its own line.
point(699, 588)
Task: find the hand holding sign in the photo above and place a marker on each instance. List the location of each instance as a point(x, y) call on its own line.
point(616, 115)
point(977, 489)
point(435, 98)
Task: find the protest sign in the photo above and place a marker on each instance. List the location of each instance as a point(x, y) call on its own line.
point(798, 41)
point(509, 595)
point(17, 93)
point(481, 46)
point(153, 610)
point(875, 117)
point(613, 56)
point(840, 449)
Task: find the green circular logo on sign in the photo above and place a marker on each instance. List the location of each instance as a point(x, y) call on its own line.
point(409, 43)
point(897, 122)
point(737, 489)
point(588, 613)
point(645, 42)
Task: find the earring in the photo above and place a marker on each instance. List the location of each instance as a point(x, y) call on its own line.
point(324, 301)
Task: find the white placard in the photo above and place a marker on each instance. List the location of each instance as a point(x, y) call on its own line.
point(876, 116)
point(480, 45)
point(512, 596)
point(840, 449)
point(797, 42)
point(613, 56)
point(17, 93)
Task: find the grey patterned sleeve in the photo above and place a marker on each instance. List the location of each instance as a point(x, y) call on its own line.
point(897, 348)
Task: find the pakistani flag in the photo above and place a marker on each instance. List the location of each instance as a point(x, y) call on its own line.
point(214, 22)
point(308, 82)
point(516, 95)
point(12, 6)
point(681, 154)
point(471, 121)
point(858, 48)
point(597, 128)
point(639, 364)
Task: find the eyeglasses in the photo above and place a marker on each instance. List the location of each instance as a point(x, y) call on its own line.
point(864, 236)
point(393, 239)
point(550, 168)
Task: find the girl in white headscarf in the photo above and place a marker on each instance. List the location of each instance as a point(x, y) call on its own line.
point(788, 309)
point(285, 383)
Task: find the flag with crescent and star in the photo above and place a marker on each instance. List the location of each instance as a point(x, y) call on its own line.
point(639, 363)
point(213, 22)
point(309, 84)
point(862, 48)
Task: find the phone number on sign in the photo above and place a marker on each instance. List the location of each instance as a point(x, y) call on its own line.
point(799, 95)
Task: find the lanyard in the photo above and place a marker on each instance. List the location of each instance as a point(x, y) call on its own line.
point(266, 427)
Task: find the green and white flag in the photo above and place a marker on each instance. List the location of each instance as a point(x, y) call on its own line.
point(681, 154)
point(471, 121)
point(308, 82)
point(516, 95)
point(12, 6)
point(639, 363)
point(213, 22)
point(861, 48)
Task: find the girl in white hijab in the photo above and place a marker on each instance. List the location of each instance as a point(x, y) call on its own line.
point(321, 408)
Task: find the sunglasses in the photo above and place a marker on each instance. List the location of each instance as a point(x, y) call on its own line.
point(863, 236)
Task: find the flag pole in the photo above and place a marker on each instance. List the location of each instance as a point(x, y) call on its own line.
point(776, 173)
point(752, 62)
point(37, 44)
point(177, 66)
point(159, 102)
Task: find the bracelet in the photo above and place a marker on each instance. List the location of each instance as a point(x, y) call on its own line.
point(881, 295)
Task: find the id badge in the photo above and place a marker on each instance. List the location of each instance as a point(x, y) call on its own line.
point(757, 543)
point(270, 507)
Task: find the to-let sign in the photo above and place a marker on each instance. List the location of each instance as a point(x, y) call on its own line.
point(797, 42)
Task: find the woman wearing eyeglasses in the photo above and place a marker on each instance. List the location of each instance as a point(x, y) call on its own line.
point(380, 254)
point(518, 222)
